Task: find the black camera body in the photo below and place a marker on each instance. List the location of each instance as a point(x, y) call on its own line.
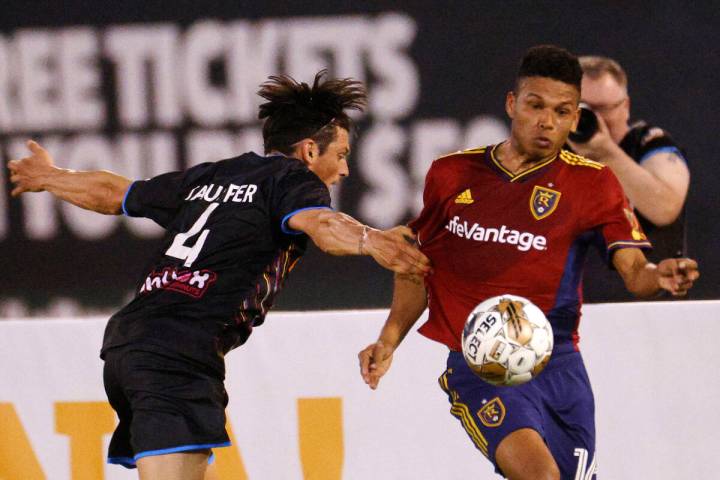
point(587, 125)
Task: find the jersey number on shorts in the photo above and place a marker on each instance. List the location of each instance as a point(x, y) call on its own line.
point(585, 472)
point(178, 249)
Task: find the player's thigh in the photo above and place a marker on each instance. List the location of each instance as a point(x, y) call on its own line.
point(489, 413)
point(177, 406)
point(120, 450)
point(175, 466)
point(523, 455)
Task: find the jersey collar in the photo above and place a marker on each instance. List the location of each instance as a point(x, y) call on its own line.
point(495, 164)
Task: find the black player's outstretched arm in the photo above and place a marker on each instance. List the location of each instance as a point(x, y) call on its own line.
point(99, 191)
point(340, 234)
point(644, 279)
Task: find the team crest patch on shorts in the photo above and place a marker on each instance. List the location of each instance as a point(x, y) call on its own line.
point(492, 413)
point(543, 202)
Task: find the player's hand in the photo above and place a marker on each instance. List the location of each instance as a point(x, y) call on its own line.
point(676, 275)
point(29, 173)
point(396, 250)
point(375, 361)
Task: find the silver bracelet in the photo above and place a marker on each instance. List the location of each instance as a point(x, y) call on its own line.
point(363, 239)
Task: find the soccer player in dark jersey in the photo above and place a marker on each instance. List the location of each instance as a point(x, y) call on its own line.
point(234, 230)
point(518, 218)
point(649, 164)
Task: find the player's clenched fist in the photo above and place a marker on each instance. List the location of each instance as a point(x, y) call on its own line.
point(676, 275)
point(375, 360)
point(29, 173)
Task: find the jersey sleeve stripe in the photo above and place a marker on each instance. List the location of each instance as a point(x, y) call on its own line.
point(283, 224)
point(124, 210)
point(463, 152)
point(573, 159)
point(629, 244)
point(654, 151)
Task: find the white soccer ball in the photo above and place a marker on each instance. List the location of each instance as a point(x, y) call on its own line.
point(507, 340)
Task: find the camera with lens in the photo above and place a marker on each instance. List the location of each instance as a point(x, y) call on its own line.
point(587, 125)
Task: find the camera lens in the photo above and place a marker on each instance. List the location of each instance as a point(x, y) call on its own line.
point(587, 125)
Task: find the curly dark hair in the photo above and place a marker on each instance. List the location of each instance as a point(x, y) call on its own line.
point(553, 62)
point(295, 111)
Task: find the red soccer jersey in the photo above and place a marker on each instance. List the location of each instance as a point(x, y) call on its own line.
point(489, 232)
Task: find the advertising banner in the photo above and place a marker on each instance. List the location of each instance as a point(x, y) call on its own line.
point(299, 409)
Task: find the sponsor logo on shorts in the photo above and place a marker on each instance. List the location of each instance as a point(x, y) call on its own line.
point(492, 413)
point(543, 202)
point(523, 241)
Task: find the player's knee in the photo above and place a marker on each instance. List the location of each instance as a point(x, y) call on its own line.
point(523, 455)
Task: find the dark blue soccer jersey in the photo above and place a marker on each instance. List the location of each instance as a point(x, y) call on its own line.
point(225, 255)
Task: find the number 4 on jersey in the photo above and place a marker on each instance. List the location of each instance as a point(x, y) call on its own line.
point(178, 249)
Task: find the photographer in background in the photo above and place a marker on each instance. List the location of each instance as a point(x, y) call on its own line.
point(649, 164)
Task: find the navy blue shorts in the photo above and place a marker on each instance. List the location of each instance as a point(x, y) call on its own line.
point(165, 404)
point(558, 404)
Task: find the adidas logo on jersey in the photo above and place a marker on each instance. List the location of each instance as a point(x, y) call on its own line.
point(465, 198)
point(523, 240)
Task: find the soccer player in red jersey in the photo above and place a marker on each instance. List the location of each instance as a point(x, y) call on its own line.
point(518, 218)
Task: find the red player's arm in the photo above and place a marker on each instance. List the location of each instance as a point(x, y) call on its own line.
point(409, 302)
point(644, 279)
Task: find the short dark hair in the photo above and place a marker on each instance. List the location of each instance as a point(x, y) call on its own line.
point(551, 61)
point(295, 111)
